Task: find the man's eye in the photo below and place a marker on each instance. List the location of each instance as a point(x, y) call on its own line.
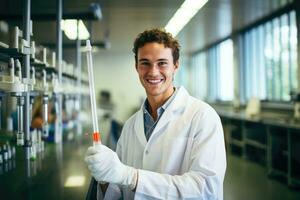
point(163, 64)
point(144, 64)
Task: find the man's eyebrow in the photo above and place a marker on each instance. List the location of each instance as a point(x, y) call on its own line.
point(162, 59)
point(143, 59)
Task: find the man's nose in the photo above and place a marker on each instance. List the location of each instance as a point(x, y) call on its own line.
point(154, 69)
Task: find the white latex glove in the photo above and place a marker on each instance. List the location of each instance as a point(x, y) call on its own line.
point(105, 165)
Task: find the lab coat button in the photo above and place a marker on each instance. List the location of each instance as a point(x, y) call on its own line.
point(147, 151)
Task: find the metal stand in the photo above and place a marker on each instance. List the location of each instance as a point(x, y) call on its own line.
point(58, 131)
point(26, 70)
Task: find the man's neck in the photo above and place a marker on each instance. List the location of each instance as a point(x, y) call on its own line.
point(157, 101)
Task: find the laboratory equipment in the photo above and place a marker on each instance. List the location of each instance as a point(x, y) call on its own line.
point(297, 106)
point(11, 69)
point(33, 50)
point(1, 116)
point(40, 142)
point(9, 154)
point(5, 153)
point(57, 124)
point(32, 81)
point(17, 33)
point(253, 108)
point(55, 84)
point(19, 43)
point(96, 134)
point(20, 103)
point(53, 63)
point(11, 82)
point(33, 147)
point(18, 71)
point(295, 98)
point(31, 101)
point(45, 56)
point(45, 105)
point(13, 151)
point(45, 116)
point(1, 157)
point(20, 132)
point(9, 124)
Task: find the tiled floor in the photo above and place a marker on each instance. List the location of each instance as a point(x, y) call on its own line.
point(247, 180)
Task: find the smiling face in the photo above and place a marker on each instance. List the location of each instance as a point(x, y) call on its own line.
point(156, 69)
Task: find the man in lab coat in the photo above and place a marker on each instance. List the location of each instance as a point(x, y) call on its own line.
point(173, 147)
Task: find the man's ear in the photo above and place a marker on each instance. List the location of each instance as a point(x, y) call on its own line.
point(176, 65)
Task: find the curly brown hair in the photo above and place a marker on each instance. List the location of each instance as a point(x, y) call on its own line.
point(157, 35)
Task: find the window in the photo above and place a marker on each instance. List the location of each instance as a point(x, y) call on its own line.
point(199, 76)
point(182, 75)
point(226, 71)
point(251, 65)
point(269, 60)
point(220, 72)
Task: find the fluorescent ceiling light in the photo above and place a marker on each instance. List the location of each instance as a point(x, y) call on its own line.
point(183, 15)
point(75, 181)
point(69, 26)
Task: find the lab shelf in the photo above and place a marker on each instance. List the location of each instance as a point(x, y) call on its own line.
point(51, 69)
point(255, 141)
point(3, 45)
point(40, 68)
point(276, 173)
point(4, 57)
point(11, 52)
point(255, 154)
point(278, 141)
point(236, 142)
point(37, 63)
point(255, 132)
point(255, 144)
point(294, 182)
point(233, 136)
point(295, 155)
point(271, 141)
point(236, 129)
point(69, 76)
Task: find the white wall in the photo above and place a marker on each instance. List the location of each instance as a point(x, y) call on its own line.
point(115, 72)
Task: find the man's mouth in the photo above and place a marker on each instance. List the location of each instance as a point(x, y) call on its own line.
point(154, 81)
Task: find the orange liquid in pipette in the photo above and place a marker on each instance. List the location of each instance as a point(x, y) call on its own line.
point(96, 137)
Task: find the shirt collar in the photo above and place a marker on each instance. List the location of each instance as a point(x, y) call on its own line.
point(146, 107)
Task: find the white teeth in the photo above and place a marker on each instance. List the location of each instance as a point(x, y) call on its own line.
point(154, 81)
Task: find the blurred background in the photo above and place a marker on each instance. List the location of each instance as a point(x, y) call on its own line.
point(242, 57)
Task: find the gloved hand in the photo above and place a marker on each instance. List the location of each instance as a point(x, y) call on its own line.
point(105, 165)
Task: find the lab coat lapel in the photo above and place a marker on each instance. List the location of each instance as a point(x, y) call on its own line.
point(139, 127)
point(172, 110)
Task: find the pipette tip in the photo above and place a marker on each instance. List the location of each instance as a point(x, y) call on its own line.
point(88, 45)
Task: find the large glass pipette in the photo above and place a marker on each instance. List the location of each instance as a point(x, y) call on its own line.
point(96, 134)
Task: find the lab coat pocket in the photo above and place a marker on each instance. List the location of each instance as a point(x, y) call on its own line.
point(175, 151)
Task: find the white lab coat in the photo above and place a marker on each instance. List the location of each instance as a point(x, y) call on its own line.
point(184, 157)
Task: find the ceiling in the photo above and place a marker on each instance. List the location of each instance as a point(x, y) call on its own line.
point(123, 19)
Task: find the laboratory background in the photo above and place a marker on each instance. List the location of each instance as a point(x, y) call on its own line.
point(240, 56)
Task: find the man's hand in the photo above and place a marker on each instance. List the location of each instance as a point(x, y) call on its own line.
point(105, 165)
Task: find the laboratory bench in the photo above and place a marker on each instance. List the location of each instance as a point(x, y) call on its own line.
point(45, 177)
point(268, 139)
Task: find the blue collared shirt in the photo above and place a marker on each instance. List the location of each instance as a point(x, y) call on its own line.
point(149, 123)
